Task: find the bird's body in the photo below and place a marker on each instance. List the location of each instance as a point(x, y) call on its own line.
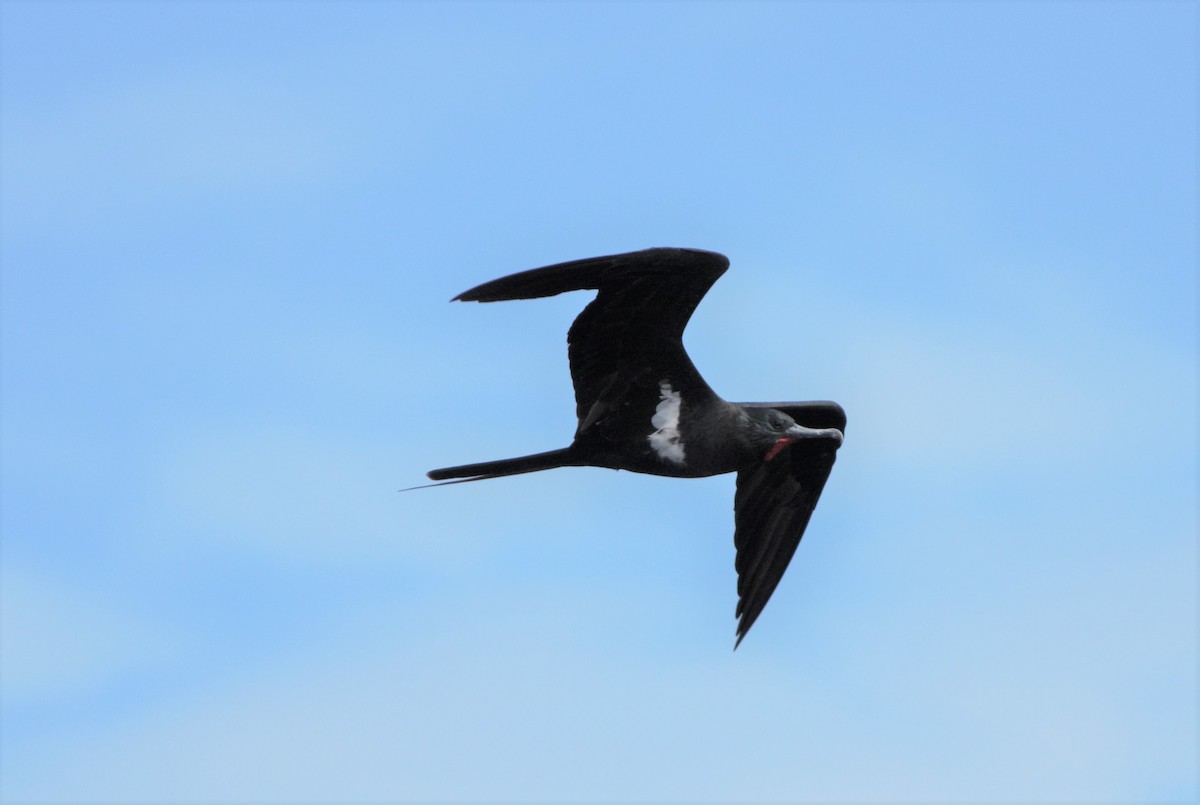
point(643, 407)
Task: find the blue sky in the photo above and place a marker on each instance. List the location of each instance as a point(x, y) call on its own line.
point(230, 231)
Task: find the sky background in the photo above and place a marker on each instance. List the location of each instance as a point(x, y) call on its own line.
point(230, 231)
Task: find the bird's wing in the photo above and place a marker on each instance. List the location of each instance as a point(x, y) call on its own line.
point(629, 338)
point(772, 506)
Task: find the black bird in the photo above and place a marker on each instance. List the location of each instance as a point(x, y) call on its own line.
point(642, 406)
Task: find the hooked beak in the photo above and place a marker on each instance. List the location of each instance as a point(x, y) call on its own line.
point(798, 432)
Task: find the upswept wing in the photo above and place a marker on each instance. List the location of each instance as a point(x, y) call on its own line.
point(773, 504)
point(630, 336)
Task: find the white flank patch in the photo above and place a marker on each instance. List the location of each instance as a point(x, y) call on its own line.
point(666, 440)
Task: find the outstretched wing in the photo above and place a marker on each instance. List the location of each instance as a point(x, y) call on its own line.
point(629, 338)
point(773, 504)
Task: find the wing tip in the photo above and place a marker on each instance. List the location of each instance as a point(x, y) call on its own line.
point(574, 275)
point(745, 621)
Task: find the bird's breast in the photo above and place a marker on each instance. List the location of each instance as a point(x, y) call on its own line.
point(666, 439)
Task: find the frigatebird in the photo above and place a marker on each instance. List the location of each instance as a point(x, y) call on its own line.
point(642, 406)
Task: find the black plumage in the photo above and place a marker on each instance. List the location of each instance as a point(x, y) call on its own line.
point(642, 406)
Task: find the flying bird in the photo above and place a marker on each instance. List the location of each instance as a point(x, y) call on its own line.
point(642, 406)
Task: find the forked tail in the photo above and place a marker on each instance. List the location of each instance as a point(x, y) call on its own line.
point(507, 466)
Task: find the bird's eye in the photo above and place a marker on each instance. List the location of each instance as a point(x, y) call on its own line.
point(777, 423)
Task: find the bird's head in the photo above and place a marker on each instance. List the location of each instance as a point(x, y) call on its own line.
point(770, 431)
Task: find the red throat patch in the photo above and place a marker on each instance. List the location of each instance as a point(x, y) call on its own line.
point(775, 448)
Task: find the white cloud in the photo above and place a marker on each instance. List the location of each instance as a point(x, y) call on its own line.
point(534, 695)
point(62, 643)
point(162, 140)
